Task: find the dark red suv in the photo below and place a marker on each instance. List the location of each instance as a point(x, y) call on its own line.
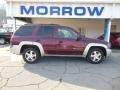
point(114, 39)
point(35, 41)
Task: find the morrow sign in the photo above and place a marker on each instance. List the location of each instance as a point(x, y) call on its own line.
point(61, 10)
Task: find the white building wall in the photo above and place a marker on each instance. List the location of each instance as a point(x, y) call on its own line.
point(78, 9)
point(93, 28)
point(94, 25)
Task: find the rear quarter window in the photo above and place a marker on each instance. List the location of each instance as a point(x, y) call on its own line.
point(25, 31)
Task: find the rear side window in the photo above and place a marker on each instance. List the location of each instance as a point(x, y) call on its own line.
point(116, 34)
point(25, 31)
point(46, 31)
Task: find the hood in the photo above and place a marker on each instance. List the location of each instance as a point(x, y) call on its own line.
point(90, 40)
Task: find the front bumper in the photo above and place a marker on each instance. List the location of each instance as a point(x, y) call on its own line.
point(109, 51)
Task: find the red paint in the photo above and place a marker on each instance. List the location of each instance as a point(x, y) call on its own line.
point(56, 45)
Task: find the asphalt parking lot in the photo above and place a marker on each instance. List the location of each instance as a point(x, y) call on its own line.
point(58, 73)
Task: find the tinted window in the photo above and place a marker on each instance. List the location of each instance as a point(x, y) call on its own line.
point(116, 34)
point(46, 31)
point(25, 31)
point(67, 33)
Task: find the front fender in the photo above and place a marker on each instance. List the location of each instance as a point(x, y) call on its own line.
point(93, 45)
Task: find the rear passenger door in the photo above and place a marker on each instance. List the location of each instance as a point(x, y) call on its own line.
point(46, 37)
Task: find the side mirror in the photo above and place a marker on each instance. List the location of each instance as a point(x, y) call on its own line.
point(78, 38)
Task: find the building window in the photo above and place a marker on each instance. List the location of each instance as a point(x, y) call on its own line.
point(113, 28)
point(82, 31)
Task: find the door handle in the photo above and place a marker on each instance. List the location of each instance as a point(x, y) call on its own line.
point(37, 40)
point(60, 41)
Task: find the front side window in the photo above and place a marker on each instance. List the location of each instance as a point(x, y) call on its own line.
point(67, 33)
point(25, 31)
point(46, 31)
point(116, 34)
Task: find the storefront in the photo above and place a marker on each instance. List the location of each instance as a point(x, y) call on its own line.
point(92, 18)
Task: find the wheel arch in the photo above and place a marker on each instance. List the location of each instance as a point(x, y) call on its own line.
point(95, 45)
point(27, 44)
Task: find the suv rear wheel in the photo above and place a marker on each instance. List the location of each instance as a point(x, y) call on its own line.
point(31, 55)
point(95, 56)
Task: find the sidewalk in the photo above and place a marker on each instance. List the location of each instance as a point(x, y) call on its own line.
point(59, 73)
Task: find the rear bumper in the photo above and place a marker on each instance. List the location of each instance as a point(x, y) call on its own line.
point(109, 51)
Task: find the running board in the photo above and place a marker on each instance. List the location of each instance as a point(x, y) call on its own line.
point(64, 55)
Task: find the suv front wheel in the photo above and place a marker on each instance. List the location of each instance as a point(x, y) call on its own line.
point(30, 55)
point(95, 56)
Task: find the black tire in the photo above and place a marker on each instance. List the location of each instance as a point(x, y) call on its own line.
point(27, 57)
point(95, 59)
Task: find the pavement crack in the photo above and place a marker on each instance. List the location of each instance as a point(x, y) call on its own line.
point(29, 84)
point(95, 73)
point(116, 78)
point(65, 67)
point(113, 86)
point(24, 85)
point(42, 83)
point(1, 72)
point(16, 74)
point(4, 85)
point(56, 86)
point(77, 67)
point(98, 74)
point(49, 70)
point(60, 80)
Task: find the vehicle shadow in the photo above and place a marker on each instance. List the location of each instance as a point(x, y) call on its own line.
point(115, 47)
point(74, 71)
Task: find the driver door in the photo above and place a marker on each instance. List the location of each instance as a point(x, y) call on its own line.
point(68, 43)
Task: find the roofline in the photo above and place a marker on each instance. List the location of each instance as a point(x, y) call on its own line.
point(29, 24)
point(67, 1)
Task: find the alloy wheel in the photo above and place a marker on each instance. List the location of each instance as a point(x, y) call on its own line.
point(96, 56)
point(30, 56)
